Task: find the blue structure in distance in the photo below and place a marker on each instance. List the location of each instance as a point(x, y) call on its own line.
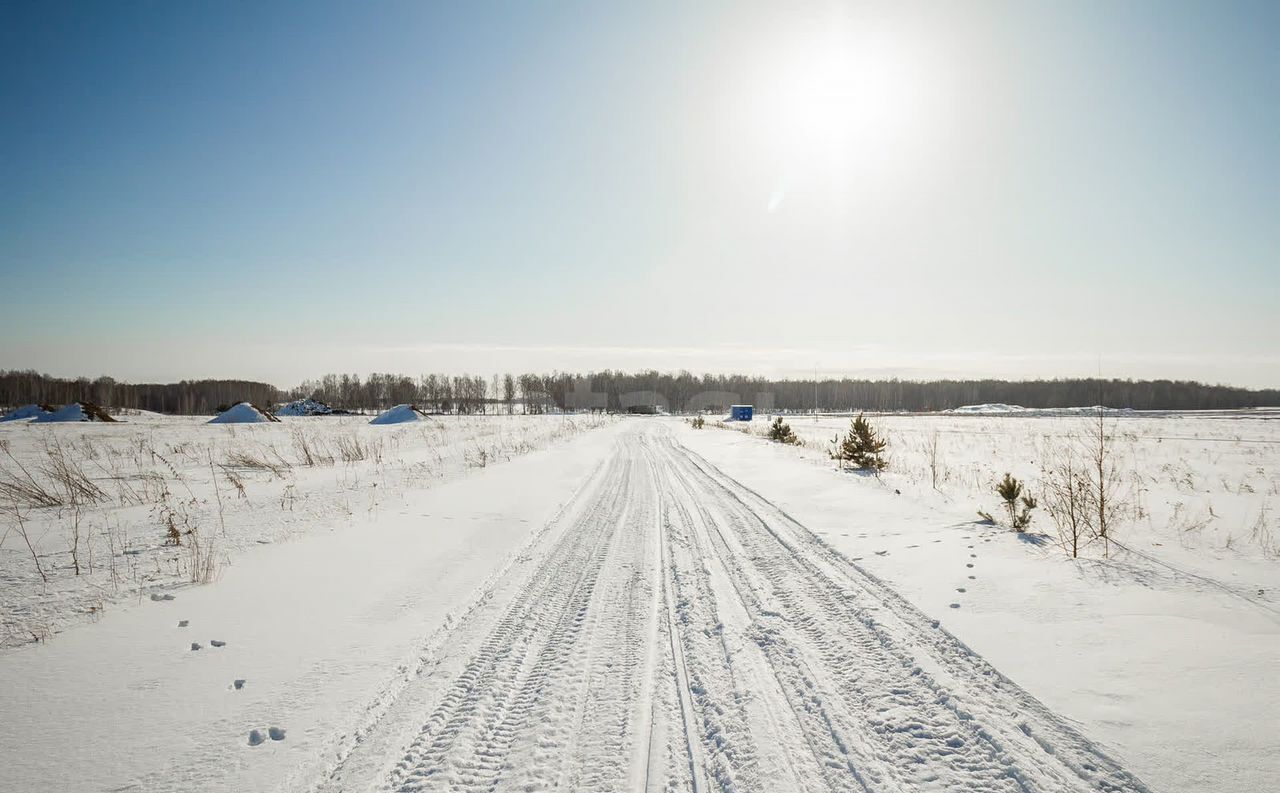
point(740, 412)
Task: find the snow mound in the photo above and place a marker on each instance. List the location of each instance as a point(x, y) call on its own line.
point(999, 408)
point(243, 413)
point(26, 412)
point(993, 407)
point(304, 407)
point(398, 415)
point(75, 411)
point(1090, 411)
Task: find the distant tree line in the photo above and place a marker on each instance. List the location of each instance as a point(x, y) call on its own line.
point(686, 391)
point(439, 393)
point(612, 390)
point(186, 397)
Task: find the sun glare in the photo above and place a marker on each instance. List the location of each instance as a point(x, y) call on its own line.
point(840, 104)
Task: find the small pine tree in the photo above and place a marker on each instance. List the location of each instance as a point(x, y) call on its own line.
point(697, 422)
point(1010, 492)
point(862, 447)
point(780, 432)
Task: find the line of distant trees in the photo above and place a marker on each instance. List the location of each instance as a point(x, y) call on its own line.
point(189, 397)
point(683, 391)
point(612, 390)
point(440, 393)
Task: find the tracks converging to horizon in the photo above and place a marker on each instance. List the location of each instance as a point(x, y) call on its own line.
point(674, 630)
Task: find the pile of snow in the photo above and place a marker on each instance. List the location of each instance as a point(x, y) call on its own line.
point(1090, 411)
point(398, 415)
point(993, 407)
point(999, 408)
point(26, 412)
point(243, 413)
point(304, 407)
point(75, 411)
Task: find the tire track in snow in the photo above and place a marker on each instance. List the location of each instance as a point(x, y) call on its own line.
point(681, 632)
point(934, 713)
point(738, 694)
point(549, 695)
point(676, 659)
point(463, 743)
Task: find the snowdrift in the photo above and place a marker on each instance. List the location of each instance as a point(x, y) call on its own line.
point(987, 409)
point(399, 415)
point(76, 411)
point(1000, 409)
point(243, 413)
point(27, 412)
point(304, 407)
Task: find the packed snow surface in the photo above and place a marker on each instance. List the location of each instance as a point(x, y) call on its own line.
point(647, 606)
point(242, 413)
point(304, 407)
point(25, 412)
point(399, 414)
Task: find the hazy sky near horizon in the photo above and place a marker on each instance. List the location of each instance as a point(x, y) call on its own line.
point(277, 190)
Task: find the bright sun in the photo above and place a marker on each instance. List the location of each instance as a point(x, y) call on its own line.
point(839, 104)
point(846, 92)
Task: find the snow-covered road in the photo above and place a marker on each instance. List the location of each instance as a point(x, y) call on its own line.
point(674, 630)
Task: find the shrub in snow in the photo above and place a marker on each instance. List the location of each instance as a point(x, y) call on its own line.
point(862, 446)
point(1066, 494)
point(1106, 502)
point(697, 422)
point(1011, 493)
point(780, 432)
point(1083, 490)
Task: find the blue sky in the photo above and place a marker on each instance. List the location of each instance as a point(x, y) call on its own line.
point(947, 189)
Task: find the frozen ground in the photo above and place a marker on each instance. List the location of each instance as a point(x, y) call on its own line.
point(647, 606)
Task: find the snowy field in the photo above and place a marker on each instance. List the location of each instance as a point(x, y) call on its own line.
point(1165, 649)
point(520, 603)
point(1201, 489)
point(118, 512)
